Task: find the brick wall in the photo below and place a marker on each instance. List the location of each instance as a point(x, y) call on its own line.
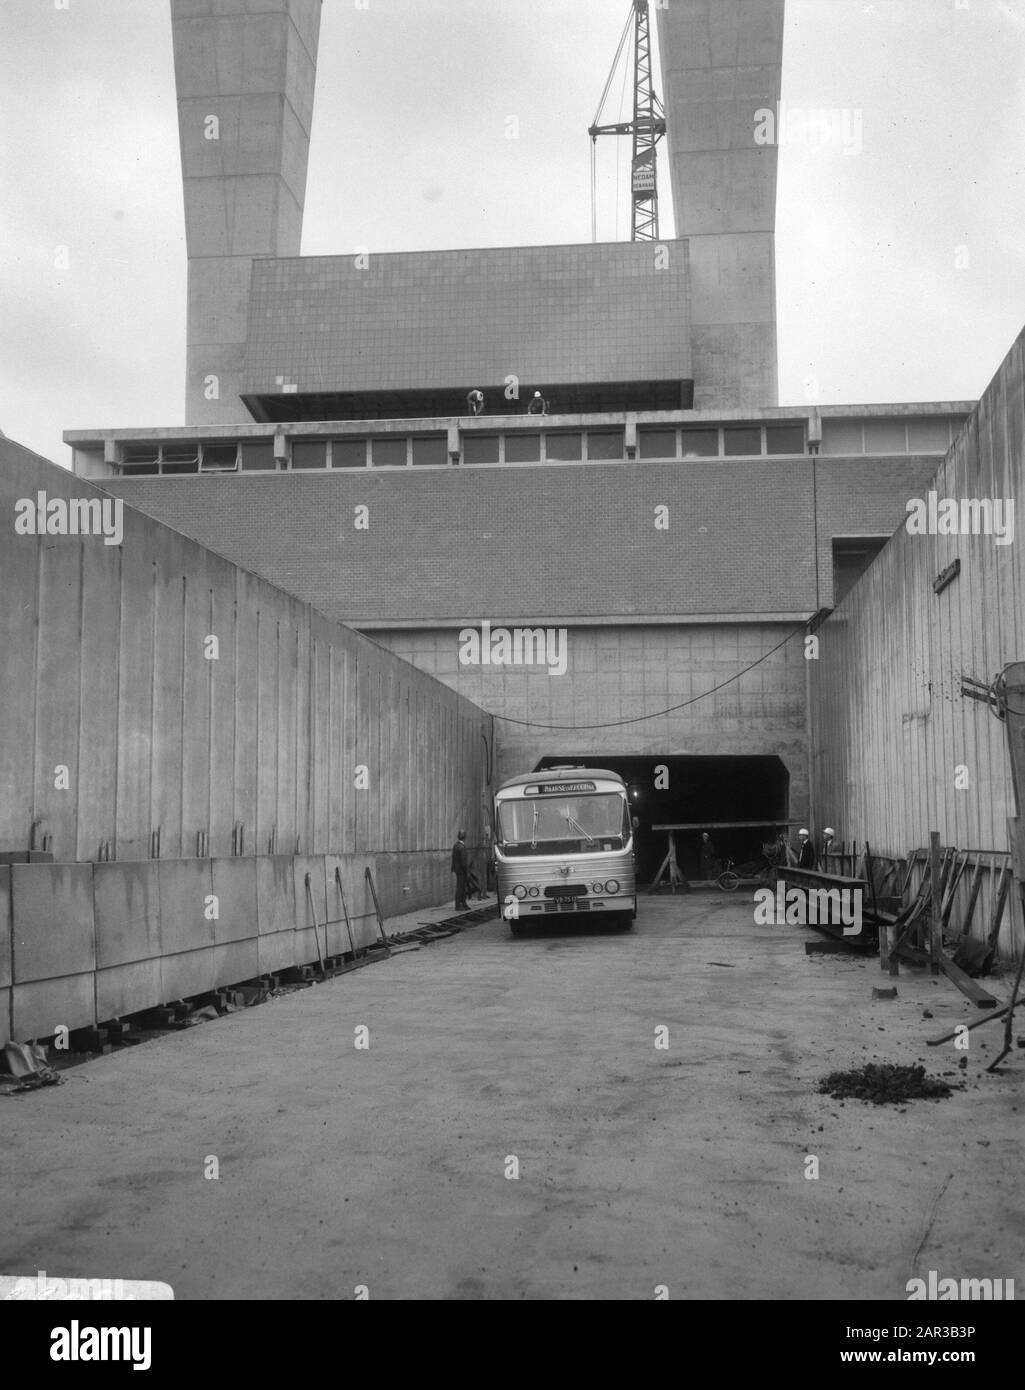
point(530, 543)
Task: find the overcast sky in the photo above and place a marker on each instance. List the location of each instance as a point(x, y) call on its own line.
point(900, 264)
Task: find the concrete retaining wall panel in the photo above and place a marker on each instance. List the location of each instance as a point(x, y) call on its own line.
point(101, 661)
point(189, 972)
point(248, 772)
point(126, 906)
point(196, 712)
point(275, 894)
point(6, 972)
point(19, 584)
point(228, 693)
point(58, 671)
point(51, 920)
point(40, 1008)
point(275, 951)
point(128, 989)
point(135, 705)
point(236, 961)
point(235, 887)
point(170, 588)
point(266, 769)
point(184, 887)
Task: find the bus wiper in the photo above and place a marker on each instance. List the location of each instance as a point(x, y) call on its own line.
point(533, 828)
point(572, 822)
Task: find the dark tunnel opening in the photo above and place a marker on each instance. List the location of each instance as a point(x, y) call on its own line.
point(698, 792)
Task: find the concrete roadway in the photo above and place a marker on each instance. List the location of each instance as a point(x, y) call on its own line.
point(638, 1167)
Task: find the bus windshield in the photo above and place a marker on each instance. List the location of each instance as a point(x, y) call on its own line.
point(588, 819)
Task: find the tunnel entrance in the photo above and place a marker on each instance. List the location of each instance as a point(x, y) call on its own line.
point(697, 791)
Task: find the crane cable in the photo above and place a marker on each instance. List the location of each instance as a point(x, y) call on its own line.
point(659, 714)
point(597, 117)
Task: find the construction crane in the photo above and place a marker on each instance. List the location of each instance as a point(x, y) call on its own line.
point(647, 128)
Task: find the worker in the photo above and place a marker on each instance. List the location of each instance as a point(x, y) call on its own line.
point(538, 405)
point(707, 853)
point(827, 842)
point(460, 867)
point(806, 857)
point(475, 402)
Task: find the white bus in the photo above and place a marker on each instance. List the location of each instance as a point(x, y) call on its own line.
point(564, 845)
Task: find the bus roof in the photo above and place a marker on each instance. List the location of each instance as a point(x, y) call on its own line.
point(563, 774)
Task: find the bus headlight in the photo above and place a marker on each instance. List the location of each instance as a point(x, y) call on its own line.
point(520, 891)
point(597, 888)
point(535, 892)
point(612, 886)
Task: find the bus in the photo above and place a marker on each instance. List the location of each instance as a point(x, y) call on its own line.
point(564, 846)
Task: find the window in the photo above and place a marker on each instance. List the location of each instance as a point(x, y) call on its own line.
point(700, 444)
point(257, 454)
point(606, 445)
point(480, 448)
point(784, 439)
point(348, 453)
point(430, 451)
point(745, 439)
point(522, 448)
point(220, 458)
point(389, 453)
point(141, 459)
point(657, 444)
point(564, 446)
point(179, 458)
point(309, 453)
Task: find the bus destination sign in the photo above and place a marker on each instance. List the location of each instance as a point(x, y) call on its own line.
point(557, 788)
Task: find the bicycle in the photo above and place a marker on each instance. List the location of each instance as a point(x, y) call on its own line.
point(728, 880)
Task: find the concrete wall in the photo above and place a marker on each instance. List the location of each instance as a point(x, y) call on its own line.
point(251, 69)
point(616, 673)
point(538, 544)
point(721, 63)
point(458, 319)
point(120, 736)
point(890, 725)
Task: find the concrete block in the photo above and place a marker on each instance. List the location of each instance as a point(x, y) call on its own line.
point(5, 931)
point(126, 904)
point(185, 886)
point(39, 1009)
point(275, 894)
point(128, 989)
point(191, 972)
point(52, 920)
point(235, 887)
point(276, 951)
point(236, 961)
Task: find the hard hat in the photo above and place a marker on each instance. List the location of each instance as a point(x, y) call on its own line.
point(829, 830)
point(802, 831)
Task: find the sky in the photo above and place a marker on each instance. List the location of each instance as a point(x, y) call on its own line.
point(900, 240)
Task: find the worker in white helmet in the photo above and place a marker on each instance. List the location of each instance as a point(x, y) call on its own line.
point(806, 856)
point(827, 841)
point(538, 405)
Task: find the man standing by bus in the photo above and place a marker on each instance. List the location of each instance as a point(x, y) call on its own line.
point(460, 866)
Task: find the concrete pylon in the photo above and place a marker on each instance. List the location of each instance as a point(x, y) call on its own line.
point(245, 72)
point(722, 63)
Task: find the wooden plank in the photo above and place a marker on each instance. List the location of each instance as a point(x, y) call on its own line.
point(970, 988)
